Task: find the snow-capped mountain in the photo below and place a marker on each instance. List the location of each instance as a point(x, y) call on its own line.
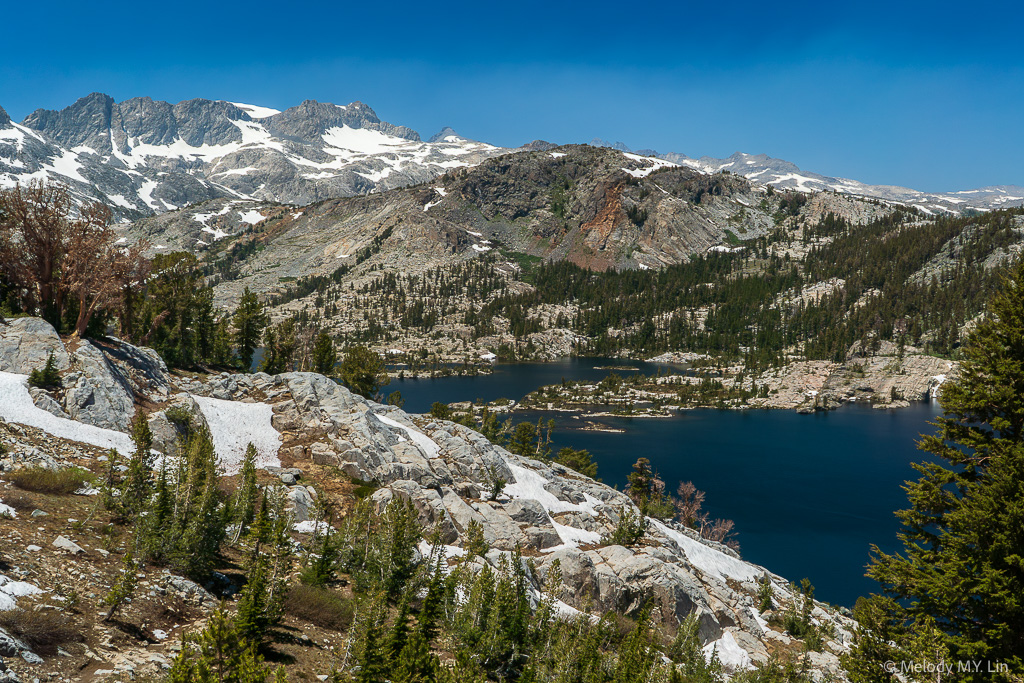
point(763, 169)
point(766, 170)
point(143, 156)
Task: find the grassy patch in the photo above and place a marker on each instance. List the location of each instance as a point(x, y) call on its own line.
point(18, 501)
point(320, 606)
point(54, 482)
point(43, 631)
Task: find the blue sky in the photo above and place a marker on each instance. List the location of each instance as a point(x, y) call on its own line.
point(917, 94)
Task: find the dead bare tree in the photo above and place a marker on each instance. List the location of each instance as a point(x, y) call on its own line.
point(50, 256)
point(33, 237)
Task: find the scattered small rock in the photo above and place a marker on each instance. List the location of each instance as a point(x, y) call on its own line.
point(64, 543)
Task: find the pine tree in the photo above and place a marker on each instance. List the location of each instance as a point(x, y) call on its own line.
point(137, 485)
point(963, 535)
point(250, 319)
point(218, 653)
point(372, 655)
point(244, 504)
point(48, 377)
point(324, 355)
point(636, 656)
point(320, 571)
point(123, 588)
point(363, 371)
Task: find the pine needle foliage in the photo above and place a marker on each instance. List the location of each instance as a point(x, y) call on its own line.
point(960, 571)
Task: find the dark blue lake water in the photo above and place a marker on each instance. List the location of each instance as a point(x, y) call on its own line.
point(809, 493)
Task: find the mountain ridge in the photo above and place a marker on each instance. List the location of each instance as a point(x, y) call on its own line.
point(143, 156)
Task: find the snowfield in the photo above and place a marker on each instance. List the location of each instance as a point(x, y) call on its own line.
point(234, 425)
point(16, 406)
point(729, 652)
point(425, 443)
point(710, 561)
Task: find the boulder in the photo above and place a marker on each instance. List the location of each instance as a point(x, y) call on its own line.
point(528, 511)
point(25, 344)
point(94, 393)
point(188, 590)
point(301, 503)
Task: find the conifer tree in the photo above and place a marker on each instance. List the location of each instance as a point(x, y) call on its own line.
point(960, 569)
point(250, 320)
point(218, 653)
point(137, 485)
point(324, 355)
point(244, 504)
point(123, 588)
point(371, 654)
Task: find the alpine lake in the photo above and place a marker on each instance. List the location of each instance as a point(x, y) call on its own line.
point(809, 494)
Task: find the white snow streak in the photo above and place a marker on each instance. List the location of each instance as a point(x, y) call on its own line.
point(425, 443)
point(16, 406)
point(707, 559)
point(234, 425)
point(729, 652)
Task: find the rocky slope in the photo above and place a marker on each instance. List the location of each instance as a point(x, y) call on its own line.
point(596, 207)
point(307, 425)
point(143, 156)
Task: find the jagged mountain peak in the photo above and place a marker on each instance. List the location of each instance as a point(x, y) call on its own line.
point(5, 119)
point(312, 119)
point(144, 156)
point(443, 135)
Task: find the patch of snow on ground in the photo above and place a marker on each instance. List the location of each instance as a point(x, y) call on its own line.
point(10, 590)
point(555, 155)
point(16, 406)
point(146, 192)
point(707, 559)
point(255, 111)
point(426, 444)
point(216, 232)
point(481, 249)
point(441, 191)
point(311, 527)
point(7, 510)
point(571, 536)
point(730, 654)
point(447, 552)
point(362, 140)
point(251, 217)
point(530, 484)
point(119, 200)
point(233, 425)
point(430, 205)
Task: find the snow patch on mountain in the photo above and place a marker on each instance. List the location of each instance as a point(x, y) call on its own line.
point(234, 425)
point(16, 405)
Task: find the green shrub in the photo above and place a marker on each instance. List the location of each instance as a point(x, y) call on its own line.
point(48, 377)
point(54, 482)
point(765, 593)
point(440, 411)
point(320, 606)
point(629, 531)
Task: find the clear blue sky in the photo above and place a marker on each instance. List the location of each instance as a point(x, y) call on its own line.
point(913, 93)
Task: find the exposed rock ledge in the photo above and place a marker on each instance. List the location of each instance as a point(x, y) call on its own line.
point(446, 469)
